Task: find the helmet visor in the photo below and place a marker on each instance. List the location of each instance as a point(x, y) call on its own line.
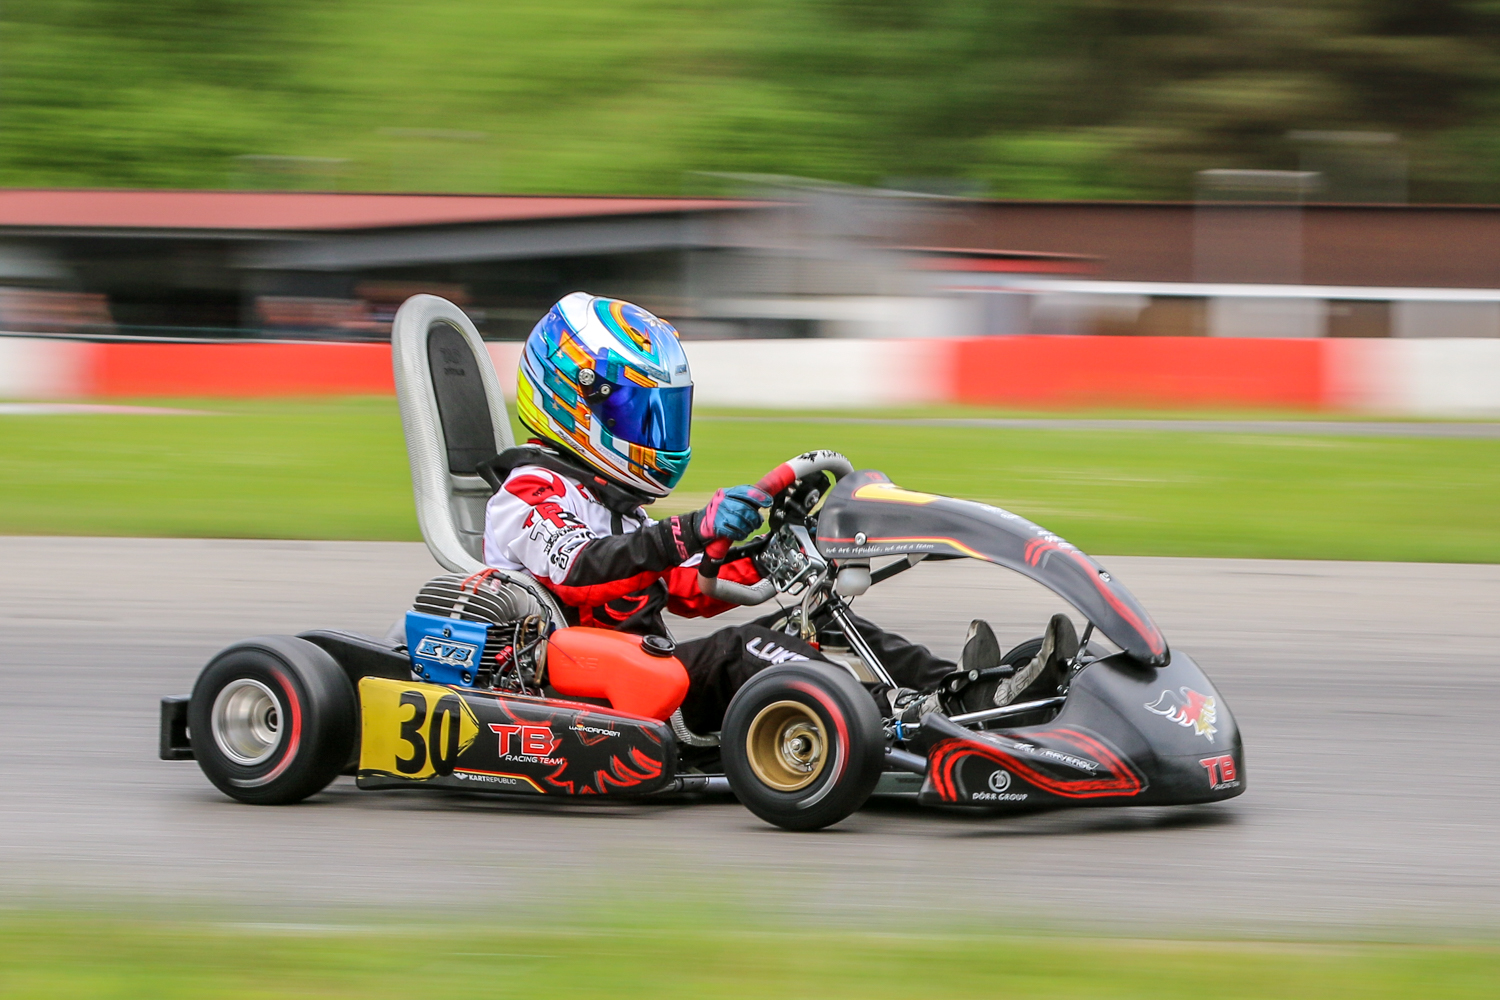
point(652, 418)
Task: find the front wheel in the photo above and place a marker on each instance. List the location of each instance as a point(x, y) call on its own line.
point(802, 745)
point(272, 720)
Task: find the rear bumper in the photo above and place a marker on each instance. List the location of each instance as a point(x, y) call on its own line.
point(175, 743)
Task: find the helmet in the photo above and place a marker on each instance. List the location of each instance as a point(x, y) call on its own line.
point(609, 382)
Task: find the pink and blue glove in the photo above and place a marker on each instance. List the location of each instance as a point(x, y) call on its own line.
point(733, 513)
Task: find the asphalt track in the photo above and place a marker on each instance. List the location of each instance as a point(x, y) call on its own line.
point(1368, 693)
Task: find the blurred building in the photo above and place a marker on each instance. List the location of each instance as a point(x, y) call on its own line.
point(791, 259)
point(1247, 268)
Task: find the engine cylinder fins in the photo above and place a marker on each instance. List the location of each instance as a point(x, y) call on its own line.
point(492, 600)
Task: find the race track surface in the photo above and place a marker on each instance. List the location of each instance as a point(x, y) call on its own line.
point(1368, 694)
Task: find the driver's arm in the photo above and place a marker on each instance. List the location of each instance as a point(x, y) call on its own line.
point(686, 600)
point(530, 518)
point(586, 569)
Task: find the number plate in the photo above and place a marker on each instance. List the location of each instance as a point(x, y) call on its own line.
point(411, 732)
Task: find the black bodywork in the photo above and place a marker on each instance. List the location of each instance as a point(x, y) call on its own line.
point(867, 516)
point(1127, 734)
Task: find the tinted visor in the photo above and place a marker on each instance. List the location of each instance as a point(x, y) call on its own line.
point(652, 418)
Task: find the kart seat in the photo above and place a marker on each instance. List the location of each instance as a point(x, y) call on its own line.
point(453, 416)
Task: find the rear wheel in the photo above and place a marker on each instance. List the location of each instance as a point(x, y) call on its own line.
point(272, 720)
point(802, 745)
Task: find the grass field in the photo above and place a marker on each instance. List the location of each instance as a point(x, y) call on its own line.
point(51, 956)
point(336, 468)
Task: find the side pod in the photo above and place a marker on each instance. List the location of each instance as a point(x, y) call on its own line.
point(415, 734)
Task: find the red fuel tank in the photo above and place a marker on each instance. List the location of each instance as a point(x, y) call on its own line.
point(598, 663)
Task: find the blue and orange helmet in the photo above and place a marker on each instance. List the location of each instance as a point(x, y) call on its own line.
point(609, 382)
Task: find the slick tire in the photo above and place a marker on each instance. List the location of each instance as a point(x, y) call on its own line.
point(272, 720)
point(802, 745)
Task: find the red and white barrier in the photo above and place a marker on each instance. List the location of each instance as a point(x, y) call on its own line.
point(1426, 377)
point(43, 369)
point(37, 368)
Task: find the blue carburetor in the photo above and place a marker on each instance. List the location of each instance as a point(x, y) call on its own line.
point(445, 650)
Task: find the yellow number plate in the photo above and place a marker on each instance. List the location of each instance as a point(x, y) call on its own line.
point(412, 730)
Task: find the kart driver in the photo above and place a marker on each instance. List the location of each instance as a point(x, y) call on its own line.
point(605, 388)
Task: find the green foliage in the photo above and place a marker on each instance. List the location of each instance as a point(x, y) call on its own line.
point(336, 469)
point(153, 93)
point(1026, 98)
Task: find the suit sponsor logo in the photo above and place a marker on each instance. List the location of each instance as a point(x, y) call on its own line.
point(1188, 708)
point(534, 487)
point(559, 531)
point(771, 652)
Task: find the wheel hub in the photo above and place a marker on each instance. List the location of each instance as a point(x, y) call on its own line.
point(787, 745)
point(246, 720)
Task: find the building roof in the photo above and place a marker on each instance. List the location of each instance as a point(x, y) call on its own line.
point(294, 211)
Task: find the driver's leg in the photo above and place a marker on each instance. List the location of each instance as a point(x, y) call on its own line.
point(718, 665)
point(910, 665)
point(916, 670)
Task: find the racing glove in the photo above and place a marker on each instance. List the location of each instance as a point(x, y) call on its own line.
point(733, 513)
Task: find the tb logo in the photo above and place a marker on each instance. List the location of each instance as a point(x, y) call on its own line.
point(536, 741)
point(1220, 770)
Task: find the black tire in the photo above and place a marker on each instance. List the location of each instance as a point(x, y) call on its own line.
point(838, 729)
point(1022, 652)
point(272, 720)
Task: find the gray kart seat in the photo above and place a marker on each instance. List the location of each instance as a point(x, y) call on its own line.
point(453, 416)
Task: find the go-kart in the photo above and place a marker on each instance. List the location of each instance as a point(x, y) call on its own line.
point(485, 689)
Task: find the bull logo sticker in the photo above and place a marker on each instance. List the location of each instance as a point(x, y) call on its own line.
point(1188, 708)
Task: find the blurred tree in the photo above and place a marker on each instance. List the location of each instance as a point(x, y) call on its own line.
point(1193, 84)
point(1112, 98)
point(1026, 98)
point(860, 90)
point(142, 92)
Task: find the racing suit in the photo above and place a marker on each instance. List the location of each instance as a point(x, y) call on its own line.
point(612, 566)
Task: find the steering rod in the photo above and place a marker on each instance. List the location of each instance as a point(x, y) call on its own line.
point(775, 482)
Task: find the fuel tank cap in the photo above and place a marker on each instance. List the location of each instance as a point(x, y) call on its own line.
point(658, 645)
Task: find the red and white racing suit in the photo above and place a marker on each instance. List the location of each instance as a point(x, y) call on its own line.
point(607, 570)
point(621, 571)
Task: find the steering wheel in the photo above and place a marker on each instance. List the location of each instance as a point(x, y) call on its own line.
point(777, 483)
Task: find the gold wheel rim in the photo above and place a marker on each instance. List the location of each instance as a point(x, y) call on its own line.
point(787, 745)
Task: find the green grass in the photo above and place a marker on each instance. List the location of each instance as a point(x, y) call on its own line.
point(275, 469)
point(47, 956)
point(336, 468)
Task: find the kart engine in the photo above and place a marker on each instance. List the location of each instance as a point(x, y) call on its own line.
point(477, 631)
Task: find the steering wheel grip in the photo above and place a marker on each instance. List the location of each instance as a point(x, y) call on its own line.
point(774, 482)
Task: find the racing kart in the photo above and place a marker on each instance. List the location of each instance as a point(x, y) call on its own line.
point(484, 688)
